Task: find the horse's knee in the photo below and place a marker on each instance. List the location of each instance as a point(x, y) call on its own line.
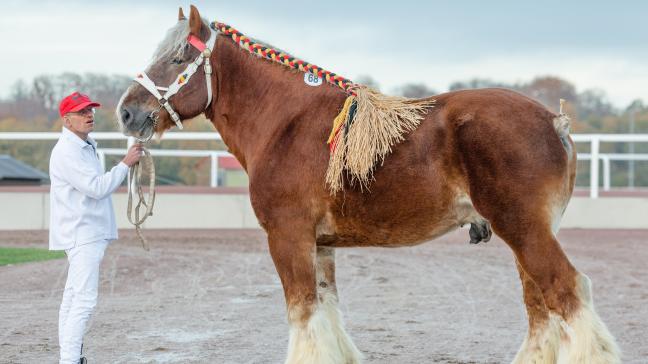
point(293, 255)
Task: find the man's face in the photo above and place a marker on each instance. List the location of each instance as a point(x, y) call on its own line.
point(80, 122)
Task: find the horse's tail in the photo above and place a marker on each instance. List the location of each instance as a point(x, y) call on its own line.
point(561, 124)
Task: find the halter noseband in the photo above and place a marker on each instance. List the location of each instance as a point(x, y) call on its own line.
point(182, 79)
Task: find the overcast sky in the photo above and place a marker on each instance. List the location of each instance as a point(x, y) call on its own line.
point(593, 44)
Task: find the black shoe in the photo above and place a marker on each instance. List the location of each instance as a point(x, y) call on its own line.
point(82, 360)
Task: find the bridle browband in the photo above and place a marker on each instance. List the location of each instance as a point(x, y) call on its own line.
point(182, 79)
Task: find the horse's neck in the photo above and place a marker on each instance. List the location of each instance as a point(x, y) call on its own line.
point(257, 99)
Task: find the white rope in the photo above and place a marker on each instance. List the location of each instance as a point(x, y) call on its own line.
point(134, 184)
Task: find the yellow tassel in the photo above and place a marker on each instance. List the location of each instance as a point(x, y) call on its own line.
point(341, 118)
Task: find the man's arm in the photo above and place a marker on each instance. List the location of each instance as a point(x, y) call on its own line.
point(83, 177)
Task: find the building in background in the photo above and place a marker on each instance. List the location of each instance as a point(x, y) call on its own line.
point(231, 173)
point(16, 173)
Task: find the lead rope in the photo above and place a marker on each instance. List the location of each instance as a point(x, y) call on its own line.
point(134, 183)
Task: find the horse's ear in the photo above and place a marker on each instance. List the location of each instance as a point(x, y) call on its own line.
point(195, 22)
point(181, 15)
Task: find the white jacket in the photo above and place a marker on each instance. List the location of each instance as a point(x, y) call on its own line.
point(81, 210)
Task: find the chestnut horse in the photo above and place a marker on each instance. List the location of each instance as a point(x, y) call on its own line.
point(490, 158)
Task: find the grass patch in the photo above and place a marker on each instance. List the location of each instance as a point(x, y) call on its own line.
point(24, 255)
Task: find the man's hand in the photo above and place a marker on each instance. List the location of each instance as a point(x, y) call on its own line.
point(133, 155)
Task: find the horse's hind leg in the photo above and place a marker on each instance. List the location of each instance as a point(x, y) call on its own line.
point(541, 344)
point(316, 332)
point(566, 294)
point(520, 170)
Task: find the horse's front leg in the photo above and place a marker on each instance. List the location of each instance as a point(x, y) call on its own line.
point(316, 332)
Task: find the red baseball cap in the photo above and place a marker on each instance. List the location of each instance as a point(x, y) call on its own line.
point(74, 102)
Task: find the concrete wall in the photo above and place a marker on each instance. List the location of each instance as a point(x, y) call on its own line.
point(607, 213)
point(26, 209)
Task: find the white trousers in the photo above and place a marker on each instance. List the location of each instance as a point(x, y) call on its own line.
point(79, 297)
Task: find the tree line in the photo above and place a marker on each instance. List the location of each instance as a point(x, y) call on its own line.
point(33, 106)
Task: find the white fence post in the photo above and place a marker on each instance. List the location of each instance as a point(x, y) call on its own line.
point(606, 172)
point(214, 170)
point(594, 167)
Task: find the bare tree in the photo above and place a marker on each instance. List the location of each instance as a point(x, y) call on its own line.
point(549, 90)
point(593, 103)
point(478, 83)
point(46, 91)
point(415, 90)
point(368, 81)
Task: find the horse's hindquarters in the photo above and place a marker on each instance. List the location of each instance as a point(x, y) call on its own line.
point(520, 175)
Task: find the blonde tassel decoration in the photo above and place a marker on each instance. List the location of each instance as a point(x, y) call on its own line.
point(379, 123)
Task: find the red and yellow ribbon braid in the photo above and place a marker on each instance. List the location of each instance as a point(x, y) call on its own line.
point(283, 58)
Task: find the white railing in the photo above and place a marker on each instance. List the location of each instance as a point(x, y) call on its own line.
point(212, 154)
point(594, 156)
point(607, 157)
point(102, 152)
point(107, 136)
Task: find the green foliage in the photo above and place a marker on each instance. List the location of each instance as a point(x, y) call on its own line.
point(25, 255)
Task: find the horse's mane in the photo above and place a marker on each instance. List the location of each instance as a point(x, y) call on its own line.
point(272, 54)
point(174, 43)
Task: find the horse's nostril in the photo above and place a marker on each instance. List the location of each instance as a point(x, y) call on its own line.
point(126, 116)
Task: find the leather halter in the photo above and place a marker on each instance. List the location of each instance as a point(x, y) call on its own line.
point(182, 79)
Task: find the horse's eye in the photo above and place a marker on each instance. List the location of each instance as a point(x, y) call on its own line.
point(176, 61)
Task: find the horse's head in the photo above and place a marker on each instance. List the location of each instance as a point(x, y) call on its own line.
point(176, 86)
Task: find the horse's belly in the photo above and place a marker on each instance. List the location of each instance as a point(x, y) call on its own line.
point(405, 226)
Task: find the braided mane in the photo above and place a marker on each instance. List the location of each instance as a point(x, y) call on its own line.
point(368, 125)
point(283, 58)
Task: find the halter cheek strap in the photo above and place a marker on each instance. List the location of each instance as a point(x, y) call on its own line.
point(182, 79)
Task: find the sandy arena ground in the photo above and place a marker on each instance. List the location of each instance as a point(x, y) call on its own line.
point(214, 297)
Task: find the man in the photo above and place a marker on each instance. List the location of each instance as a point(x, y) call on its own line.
point(82, 220)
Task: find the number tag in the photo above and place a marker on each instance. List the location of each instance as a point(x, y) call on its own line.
point(312, 80)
